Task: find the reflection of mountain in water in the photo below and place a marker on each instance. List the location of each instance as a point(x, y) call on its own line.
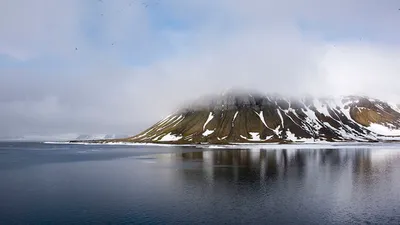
point(270, 165)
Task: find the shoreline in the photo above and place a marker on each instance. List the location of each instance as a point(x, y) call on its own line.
point(314, 145)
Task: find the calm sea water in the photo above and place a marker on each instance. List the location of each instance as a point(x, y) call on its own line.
point(76, 184)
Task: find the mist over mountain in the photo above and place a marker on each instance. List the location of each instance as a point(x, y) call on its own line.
point(242, 116)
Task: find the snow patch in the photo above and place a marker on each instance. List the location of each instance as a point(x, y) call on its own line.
point(208, 132)
point(180, 119)
point(234, 117)
point(170, 137)
point(290, 136)
point(382, 130)
point(166, 123)
point(280, 115)
point(276, 130)
point(168, 118)
point(321, 108)
point(254, 136)
point(312, 120)
point(394, 107)
point(210, 117)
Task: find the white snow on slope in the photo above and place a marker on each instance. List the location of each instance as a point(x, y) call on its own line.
point(234, 117)
point(344, 108)
point(166, 120)
point(144, 134)
point(345, 134)
point(292, 137)
point(170, 137)
point(280, 115)
point(382, 130)
point(180, 119)
point(255, 136)
point(311, 119)
point(394, 107)
point(210, 117)
point(166, 123)
point(321, 108)
point(261, 115)
point(337, 109)
point(208, 132)
point(276, 130)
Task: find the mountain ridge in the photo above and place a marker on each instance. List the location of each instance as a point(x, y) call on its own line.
point(253, 117)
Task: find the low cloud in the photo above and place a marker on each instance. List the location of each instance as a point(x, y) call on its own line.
point(119, 66)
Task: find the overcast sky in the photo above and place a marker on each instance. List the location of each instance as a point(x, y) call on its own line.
point(117, 66)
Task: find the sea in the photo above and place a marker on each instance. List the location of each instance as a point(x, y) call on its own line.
point(53, 183)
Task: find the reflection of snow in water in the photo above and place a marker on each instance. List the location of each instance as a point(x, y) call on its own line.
point(89, 151)
point(148, 161)
point(343, 145)
point(378, 155)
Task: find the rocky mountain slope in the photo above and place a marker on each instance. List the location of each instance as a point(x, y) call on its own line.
point(243, 117)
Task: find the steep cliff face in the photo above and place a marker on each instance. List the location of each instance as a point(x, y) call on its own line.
point(255, 118)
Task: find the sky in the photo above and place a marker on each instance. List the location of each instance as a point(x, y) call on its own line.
point(118, 66)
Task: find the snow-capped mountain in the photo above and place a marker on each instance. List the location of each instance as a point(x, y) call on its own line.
point(243, 117)
point(99, 136)
point(63, 137)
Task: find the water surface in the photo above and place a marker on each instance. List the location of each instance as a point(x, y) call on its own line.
point(77, 184)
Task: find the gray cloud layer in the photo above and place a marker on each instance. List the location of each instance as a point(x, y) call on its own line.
point(291, 47)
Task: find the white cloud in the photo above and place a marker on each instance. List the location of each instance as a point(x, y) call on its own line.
point(32, 28)
point(251, 44)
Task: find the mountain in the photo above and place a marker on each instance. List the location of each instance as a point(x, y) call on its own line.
point(62, 137)
point(100, 136)
point(247, 117)
point(11, 138)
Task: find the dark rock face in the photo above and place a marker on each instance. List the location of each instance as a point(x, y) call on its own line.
point(243, 117)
